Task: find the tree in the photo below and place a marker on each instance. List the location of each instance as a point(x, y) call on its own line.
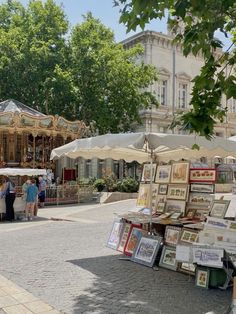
point(110, 84)
point(199, 20)
point(34, 54)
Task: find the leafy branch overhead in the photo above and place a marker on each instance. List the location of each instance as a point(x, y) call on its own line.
point(195, 24)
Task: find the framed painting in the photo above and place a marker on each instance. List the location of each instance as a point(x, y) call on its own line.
point(202, 188)
point(180, 172)
point(124, 237)
point(115, 234)
point(163, 174)
point(202, 175)
point(232, 225)
point(175, 206)
point(190, 212)
point(202, 199)
point(175, 215)
point(164, 216)
point(155, 188)
point(187, 268)
point(163, 188)
point(161, 198)
point(178, 192)
point(160, 207)
point(188, 236)
point(172, 235)
point(168, 258)
point(202, 277)
point(133, 238)
point(147, 170)
point(143, 195)
point(219, 208)
point(146, 250)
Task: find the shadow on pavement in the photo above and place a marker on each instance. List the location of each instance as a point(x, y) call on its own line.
point(122, 286)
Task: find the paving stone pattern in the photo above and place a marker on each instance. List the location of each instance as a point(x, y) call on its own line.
point(67, 265)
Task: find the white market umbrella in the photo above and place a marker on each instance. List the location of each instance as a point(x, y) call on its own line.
point(142, 147)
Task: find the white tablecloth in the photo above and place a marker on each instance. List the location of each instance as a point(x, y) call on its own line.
point(19, 205)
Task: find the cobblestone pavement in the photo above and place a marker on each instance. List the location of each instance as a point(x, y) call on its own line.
point(66, 264)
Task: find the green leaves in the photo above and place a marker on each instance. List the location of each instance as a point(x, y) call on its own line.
point(199, 21)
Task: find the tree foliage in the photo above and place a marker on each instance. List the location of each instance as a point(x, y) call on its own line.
point(79, 75)
point(199, 21)
point(110, 83)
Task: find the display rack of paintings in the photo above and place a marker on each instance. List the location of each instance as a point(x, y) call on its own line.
point(146, 250)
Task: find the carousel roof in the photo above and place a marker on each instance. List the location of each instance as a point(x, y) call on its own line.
point(12, 105)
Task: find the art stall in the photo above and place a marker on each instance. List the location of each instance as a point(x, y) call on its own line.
point(181, 199)
point(19, 204)
point(187, 229)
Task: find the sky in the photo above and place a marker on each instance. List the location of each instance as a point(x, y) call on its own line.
point(108, 15)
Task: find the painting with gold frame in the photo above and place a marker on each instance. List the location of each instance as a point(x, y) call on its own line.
point(180, 172)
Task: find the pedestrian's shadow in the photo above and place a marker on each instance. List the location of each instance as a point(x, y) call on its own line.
point(120, 286)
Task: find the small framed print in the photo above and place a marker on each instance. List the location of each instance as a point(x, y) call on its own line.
point(163, 188)
point(203, 199)
point(155, 188)
point(191, 212)
point(219, 208)
point(163, 174)
point(202, 188)
point(175, 206)
point(187, 268)
point(161, 198)
point(143, 195)
point(175, 215)
point(146, 250)
point(202, 175)
point(232, 225)
point(172, 235)
point(147, 170)
point(202, 277)
point(133, 238)
point(124, 237)
point(160, 207)
point(177, 191)
point(115, 234)
point(188, 236)
point(168, 258)
point(180, 172)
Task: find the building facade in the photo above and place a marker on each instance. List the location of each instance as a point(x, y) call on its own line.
point(173, 88)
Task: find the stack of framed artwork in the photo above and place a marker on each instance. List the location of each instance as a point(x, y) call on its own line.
point(179, 190)
point(179, 196)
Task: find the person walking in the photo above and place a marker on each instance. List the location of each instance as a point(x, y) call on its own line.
point(31, 199)
point(42, 191)
point(10, 195)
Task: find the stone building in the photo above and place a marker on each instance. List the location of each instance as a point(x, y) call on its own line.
point(174, 85)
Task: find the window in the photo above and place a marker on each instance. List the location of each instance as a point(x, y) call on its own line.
point(162, 92)
point(100, 168)
point(88, 169)
point(182, 102)
point(232, 105)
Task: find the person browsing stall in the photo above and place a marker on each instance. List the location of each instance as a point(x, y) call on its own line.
point(10, 196)
point(31, 199)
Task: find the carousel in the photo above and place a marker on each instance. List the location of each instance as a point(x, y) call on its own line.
point(28, 136)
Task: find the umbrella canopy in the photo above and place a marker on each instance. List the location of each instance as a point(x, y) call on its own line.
point(22, 172)
point(139, 146)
